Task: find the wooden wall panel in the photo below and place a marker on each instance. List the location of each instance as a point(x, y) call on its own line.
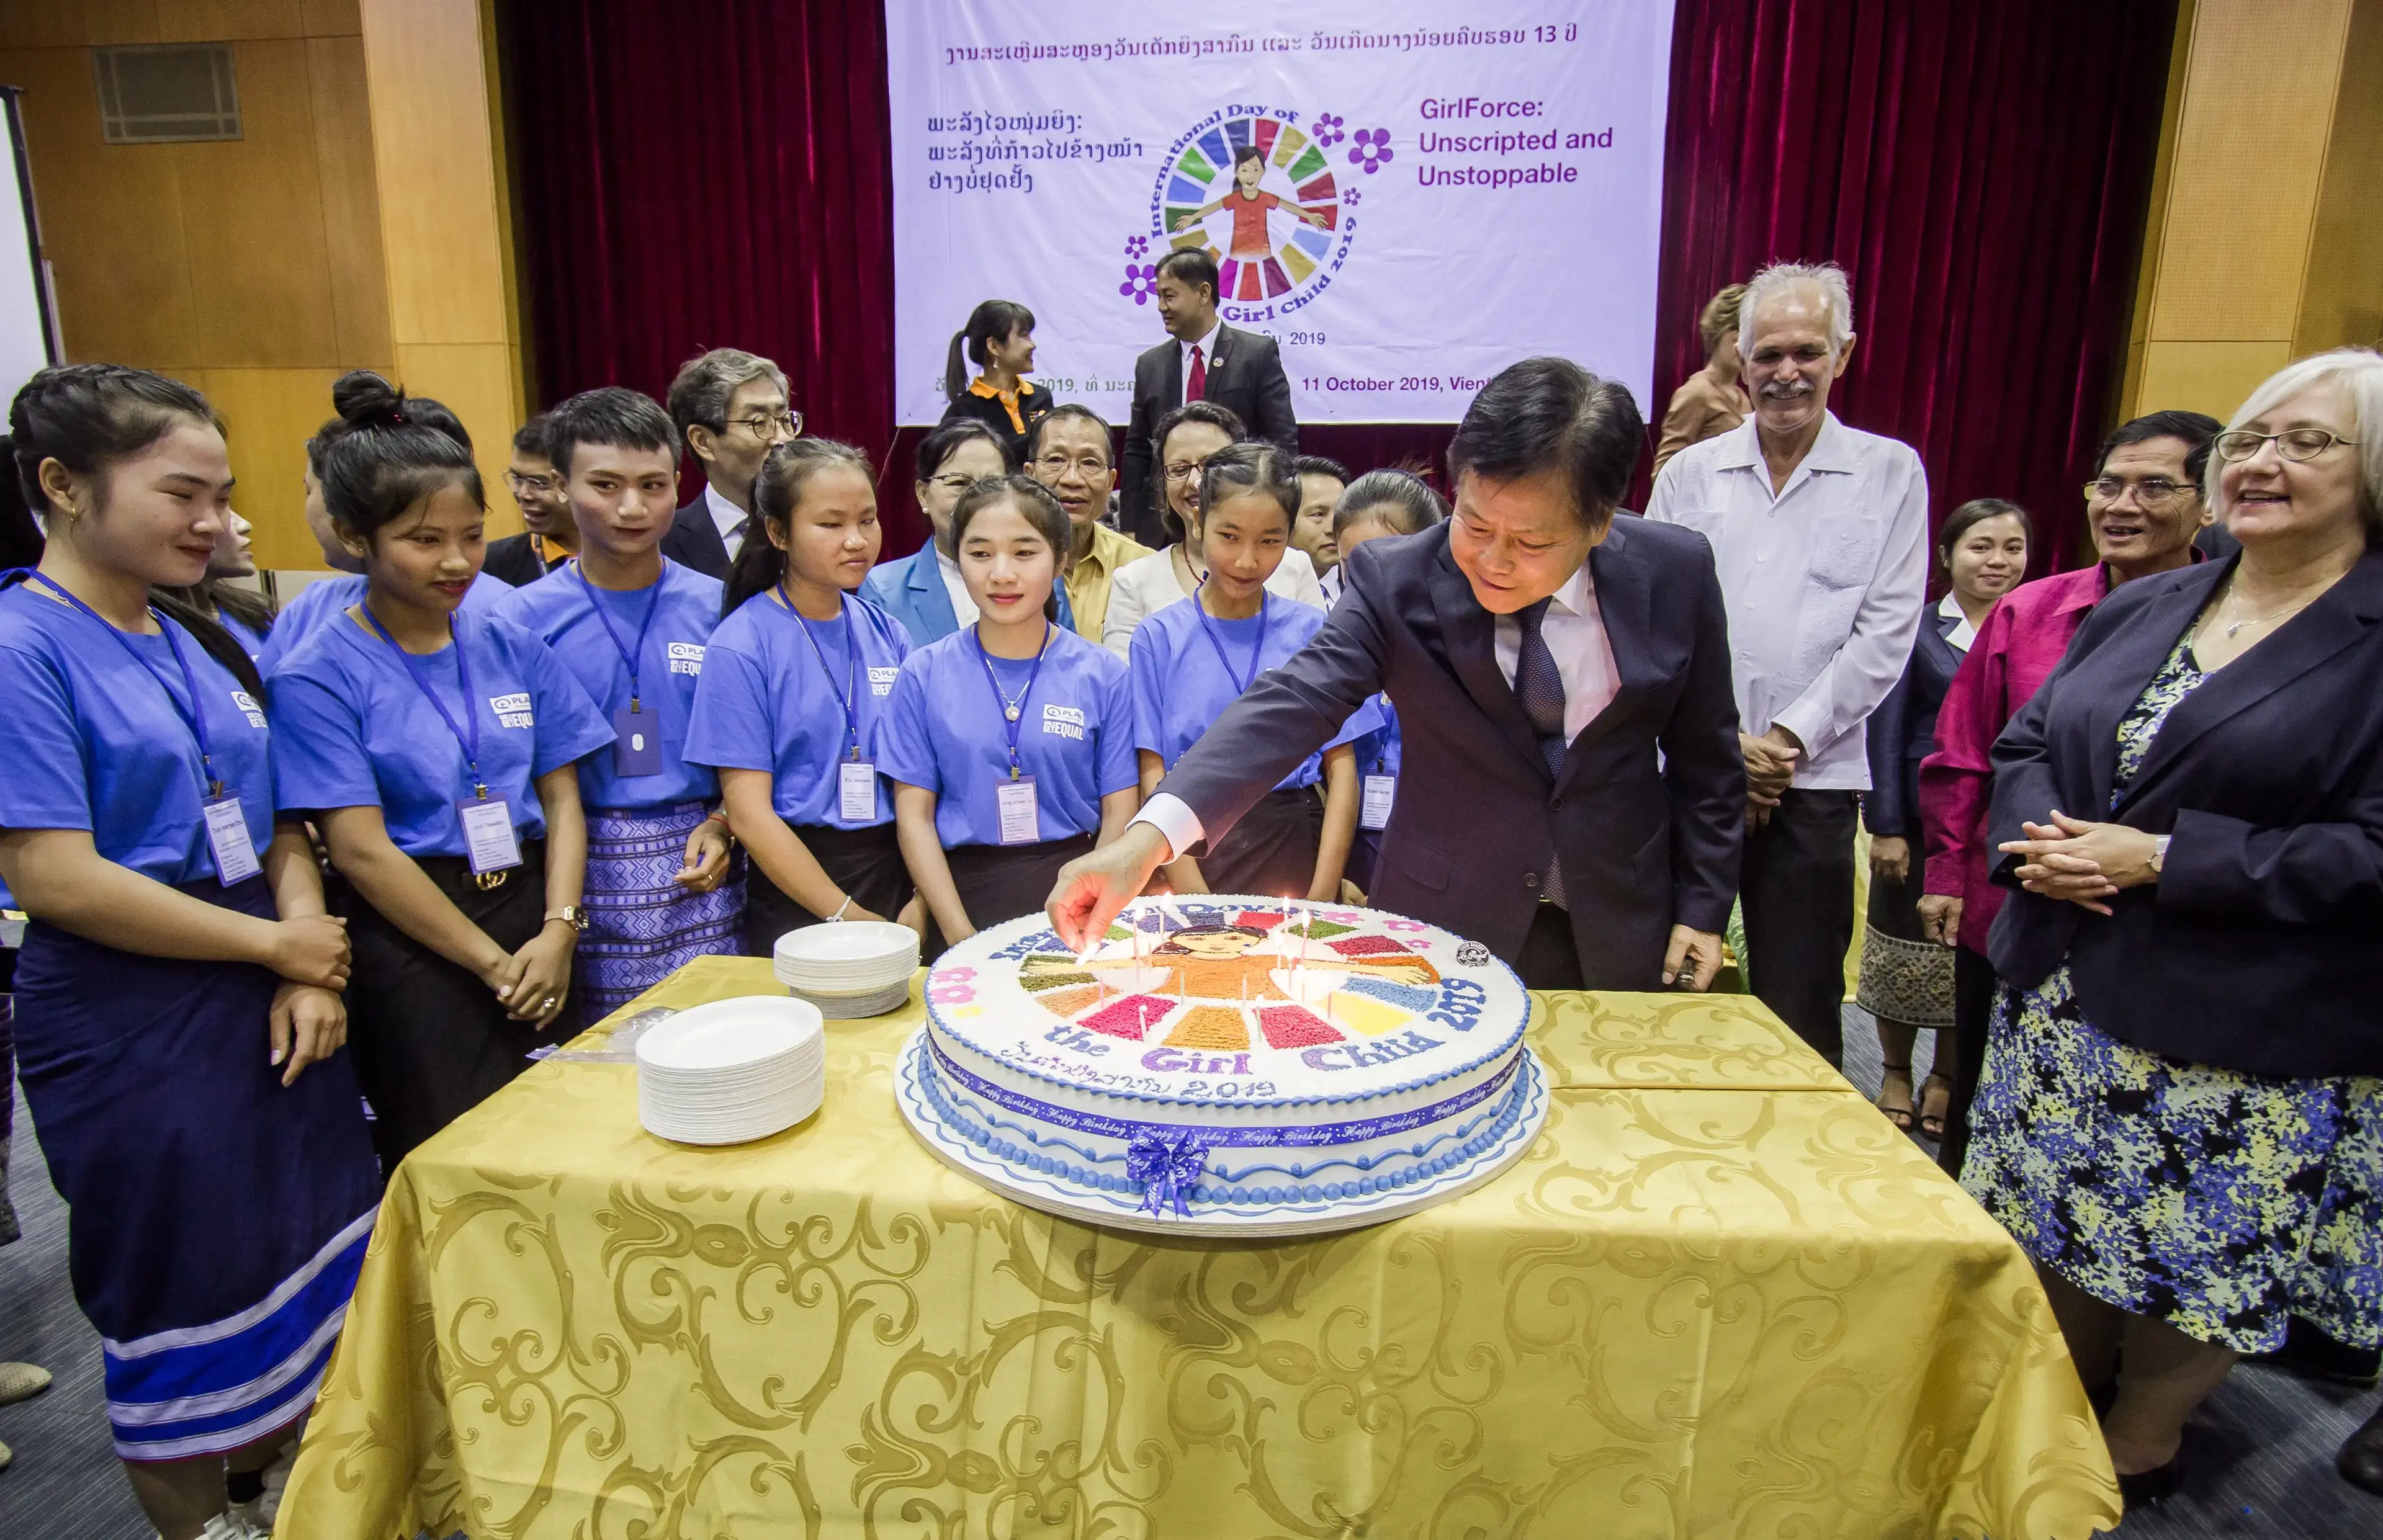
point(2341, 304)
point(437, 164)
point(252, 212)
point(350, 195)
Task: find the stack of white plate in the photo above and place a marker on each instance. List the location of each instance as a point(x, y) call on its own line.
point(730, 1071)
point(852, 969)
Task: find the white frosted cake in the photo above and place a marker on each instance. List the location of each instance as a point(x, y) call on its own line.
point(1226, 1066)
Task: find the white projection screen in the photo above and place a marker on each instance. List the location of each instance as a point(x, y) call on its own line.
point(1439, 190)
point(27, 340)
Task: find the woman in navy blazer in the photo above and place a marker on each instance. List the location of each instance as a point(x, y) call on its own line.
point(2180, 1116)
point(1906, 979)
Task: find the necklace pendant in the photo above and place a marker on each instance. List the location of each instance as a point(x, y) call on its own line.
point(1011, 712)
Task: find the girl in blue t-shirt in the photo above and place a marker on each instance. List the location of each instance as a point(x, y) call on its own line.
point(1011, 742)
point(437, 752)
point(794, 691)
point(1192, 660)
point(179, 1018)
point(1379, 505)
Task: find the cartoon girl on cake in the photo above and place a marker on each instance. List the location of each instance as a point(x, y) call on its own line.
point(1250, 205)
point(1214, 962)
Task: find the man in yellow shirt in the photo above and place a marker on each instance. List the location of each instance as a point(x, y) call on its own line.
point(1067, 451)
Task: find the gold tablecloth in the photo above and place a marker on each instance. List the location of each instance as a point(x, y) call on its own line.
point(1719, 1297)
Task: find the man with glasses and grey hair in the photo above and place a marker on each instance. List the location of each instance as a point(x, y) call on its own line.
point(730, 411)
point(1821, 535)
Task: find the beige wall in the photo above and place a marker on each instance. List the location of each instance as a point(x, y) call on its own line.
point(2266, 236)
point(354, 224)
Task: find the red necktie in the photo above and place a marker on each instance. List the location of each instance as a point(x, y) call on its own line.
point(1196, 388)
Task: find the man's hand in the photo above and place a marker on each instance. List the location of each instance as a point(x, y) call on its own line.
point(1940, 918)
point(1692, 959)
point(1092, 890)
point(1890, 858)
point(1770, 769)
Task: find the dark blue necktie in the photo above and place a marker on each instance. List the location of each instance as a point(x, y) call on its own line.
point(1540, 687)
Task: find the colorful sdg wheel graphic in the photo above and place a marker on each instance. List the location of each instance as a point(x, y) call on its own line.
point(1279, 237)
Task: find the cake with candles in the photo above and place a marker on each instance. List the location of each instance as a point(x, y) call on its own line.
point(1226, 1066)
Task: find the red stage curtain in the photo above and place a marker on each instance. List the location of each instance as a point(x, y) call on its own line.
point(693, 176)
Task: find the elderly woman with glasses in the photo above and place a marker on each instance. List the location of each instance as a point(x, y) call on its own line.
point(2145, 509)
point(2180, 1115)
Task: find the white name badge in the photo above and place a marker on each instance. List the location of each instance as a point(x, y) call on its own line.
point(489, 838)
point(1020, 824)
point(1374, 812)
point(856, 788)
point(235, 853)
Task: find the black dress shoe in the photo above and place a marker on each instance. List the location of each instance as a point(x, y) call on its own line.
point(2146, 1488)
point(2310, 1353)
point(2360, 1460)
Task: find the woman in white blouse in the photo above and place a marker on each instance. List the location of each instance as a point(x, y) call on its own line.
point(1185, 440)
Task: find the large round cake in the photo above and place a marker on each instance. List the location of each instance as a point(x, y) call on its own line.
point(1226, 1066)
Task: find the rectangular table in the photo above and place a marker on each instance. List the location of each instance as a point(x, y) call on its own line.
point(1721, 1296)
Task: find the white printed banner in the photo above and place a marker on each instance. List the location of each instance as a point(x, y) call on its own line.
point(1407, 205)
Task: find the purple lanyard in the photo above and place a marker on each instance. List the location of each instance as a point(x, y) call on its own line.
point(1012, 717)
point(851, 664)
point(1257, 653)
point(627, 656)
point(195, 717)
point(467, 733)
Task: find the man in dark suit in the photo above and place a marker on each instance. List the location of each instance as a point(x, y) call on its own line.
point(730, 411)
point(1563, 681)
point(1202, 360)
point(552, 540)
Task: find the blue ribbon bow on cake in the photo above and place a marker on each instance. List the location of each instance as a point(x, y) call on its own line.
point(1167, 1169)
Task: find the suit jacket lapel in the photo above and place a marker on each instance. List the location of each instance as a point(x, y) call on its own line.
point(1472, 653)
point(1171, 377)
point(1219, 350)
point(927, 590)
point(2341, 616)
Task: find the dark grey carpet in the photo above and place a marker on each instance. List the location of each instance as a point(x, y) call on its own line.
point(2263, 1447)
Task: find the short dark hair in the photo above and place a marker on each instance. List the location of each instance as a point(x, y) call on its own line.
point(1032, 500)
point(609, 414)
point(1072, 412)
point(2197, 429)
point(1255, 465)
point(948, 435)
point(530, 439)
point(1551, 414)
point(389, 455)
point(1400, 498)
point(699, 391)
point(1977, 511)
point(1189, 265)
point(1317, 465)
point(1247, 151)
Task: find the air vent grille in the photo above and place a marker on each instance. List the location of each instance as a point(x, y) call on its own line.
point(169, 94)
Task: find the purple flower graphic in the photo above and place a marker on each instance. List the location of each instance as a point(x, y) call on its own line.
point(1137, 245)
point(1139, 283)
point(1372, 149)
point(1327, 130)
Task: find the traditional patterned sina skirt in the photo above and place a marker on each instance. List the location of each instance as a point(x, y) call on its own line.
point(1904, 976)
point(2220, 1202)
point(642, 926)
point(216, 1219)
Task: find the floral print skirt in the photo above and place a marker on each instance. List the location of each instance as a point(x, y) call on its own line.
point(2220, 1202)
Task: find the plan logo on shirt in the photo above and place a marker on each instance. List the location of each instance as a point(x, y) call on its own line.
point(686, 658)
point(881, 681)
point(1064, 721)
point(247, 703)
point(512, 710)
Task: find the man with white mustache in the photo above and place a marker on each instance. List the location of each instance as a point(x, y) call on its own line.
point(1821, 535)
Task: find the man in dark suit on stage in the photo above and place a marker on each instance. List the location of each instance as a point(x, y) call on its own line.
point(1202, 360)
point(1571, 792)
point(730, 411)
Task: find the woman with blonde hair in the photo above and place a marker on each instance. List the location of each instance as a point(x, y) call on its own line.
point(1710, 401)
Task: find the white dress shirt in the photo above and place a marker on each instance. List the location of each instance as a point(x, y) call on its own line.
point(1575, 637)
point(1147, 584)
point(1205, 348)
point(1823, 583)
point(1963, 636)
point(962, 606)
point(727, 518)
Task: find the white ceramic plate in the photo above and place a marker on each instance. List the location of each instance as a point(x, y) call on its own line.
point(734, 1034)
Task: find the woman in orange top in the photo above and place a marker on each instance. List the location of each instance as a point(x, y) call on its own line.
point(999, 339)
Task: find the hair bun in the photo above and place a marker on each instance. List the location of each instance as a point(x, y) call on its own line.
point(364, 399)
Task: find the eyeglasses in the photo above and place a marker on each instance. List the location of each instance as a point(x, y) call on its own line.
point(954, 482)
point(521, 483)
point(1089, 466)
point(2292, 443)
point(1183, 470)
point(2150, 492)
point(767, 425)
